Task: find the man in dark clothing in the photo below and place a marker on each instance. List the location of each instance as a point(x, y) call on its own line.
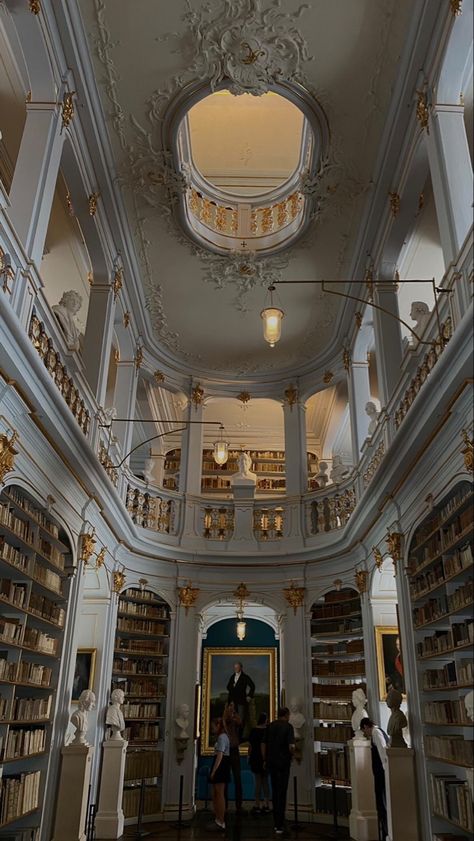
point(232, 724)
point(240, 688)
point(277, 749)
point(378, 743)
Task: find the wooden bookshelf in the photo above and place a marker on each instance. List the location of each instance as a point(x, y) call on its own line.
point(338, 667)
point(441, 589)
point(33, 603)
point(140, 669)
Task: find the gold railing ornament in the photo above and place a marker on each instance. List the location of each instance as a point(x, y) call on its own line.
point(118, 580)
point(468, 450)
point(378, 558)
point(361, 578)
point(7, 454)
point(87, 546)
point(244, 397)
point(67, 108)
point(294, 596)
point(394, 546)
point(187, 596)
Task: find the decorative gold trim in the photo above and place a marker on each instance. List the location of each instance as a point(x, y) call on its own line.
point(244, 397)
point(187, 596)
point(138, 358)
point(294, 596)
point(117, 282)
point(291, 396)
point(87, 544)
point(468, 450)
point(197, 395)
point(394, 546)
point(369, 282)
point(346, 359)
point(126, 318)
point(159, 377)
point(90, 278)
point(67, 108)
point(358, 319)
point(394, 204)
point(118, 580)
point(422, 111)
point(378, 558)
point(92, 203)
point(35, 6)
point(327, 377)
point(361, 577)
point(456, 7)
point(7, 454)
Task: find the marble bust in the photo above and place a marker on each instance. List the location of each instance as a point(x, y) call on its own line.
point(182, 722)
point(245, 470)
point(297, 719)
point(397, 720)
point(419, 313)
point(469, 704)
point(114, 717)
point(80, 716)
point(359, 701)
point(371, 411)
point(65, 312)
point(322, 477)
point(339, 470)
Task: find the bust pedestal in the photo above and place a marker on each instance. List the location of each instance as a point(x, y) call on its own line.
point(109, 820)
point(76, 763)
point(400, 784)
point(243, 490)
point(363, 821)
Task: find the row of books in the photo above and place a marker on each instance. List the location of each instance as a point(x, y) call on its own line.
point(127, 646)
point(146, 626)
point(333, 764)
point(454, 748)
point(141, 688)
point(36, 673)
point(271, 484)
point(337, 649)
point(325, 801)
point(41, 642)
point(143, 764)
point(214, 483)
point(27, 709)
point(142, 595)
point(452, 798)
point(442, 570)
point(46, 576)
point(11, 591)
point(452, 674)
point(142, 732)
point(24, 530)
point(13, 556)
point(446, 712)
point(439, 607)
point(32, 511)
point(460, 633)
point(338, 667)
point(333, 733)
point(18, 794)
point(338, 712)
point(453, 531)
point(328, 611)
point(138, 667)
point(141, 710)
point(336, 690)
point(452, 504)
point(347, 626)
point(24, 742)
point(11, 630)
point(47, 609)
point(137, 609)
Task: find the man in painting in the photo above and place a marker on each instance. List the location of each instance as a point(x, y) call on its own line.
point(395, 678)
point(241, 689)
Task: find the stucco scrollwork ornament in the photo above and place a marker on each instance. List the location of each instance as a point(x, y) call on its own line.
point(378, 558)
point(7, 454)
point(87, 544)
point(187, 596)
point(245, 43)
point(294, 596)
point(394, 546)
point(244, 270)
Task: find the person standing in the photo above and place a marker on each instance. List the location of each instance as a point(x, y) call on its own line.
point(378, 742)
point(233, 724)
point(241, 689)
point(219, 777)
point(278, 748)
point(262, 792)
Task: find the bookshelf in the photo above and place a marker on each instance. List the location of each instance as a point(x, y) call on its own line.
point(338, 667)
point(33, 600)
point(140, 669)
point(269, 465)
point(442, 598)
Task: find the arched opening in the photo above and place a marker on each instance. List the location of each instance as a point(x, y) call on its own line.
point(328, 433)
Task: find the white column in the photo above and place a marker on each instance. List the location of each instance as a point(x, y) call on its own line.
point(388, 339)
point(296, 678)
point(370, 657)
point(98, 338)
point(191, 451)
point(110, 819)
point(451, 175)
point(35, 176)
point(124, 402)
point(296, 468)
point(359, 395)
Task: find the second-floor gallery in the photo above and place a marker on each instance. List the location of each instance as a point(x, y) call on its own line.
point(235, 412)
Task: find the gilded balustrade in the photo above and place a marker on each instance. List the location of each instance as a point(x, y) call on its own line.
point(107, 463)
point(218, 522)
point(224, 218)
point(150, 512)
point(373, 464)
point(268, 523)
point(331, 511)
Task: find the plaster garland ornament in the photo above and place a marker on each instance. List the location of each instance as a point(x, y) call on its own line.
point(7, 454)
point(245, 43)
point(187, 596)
point(294, 596)
point(242, 269)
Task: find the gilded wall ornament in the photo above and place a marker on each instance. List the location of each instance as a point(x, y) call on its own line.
point(92, 203)
point(244, 397)
point(246, 43)
point(394, 204)
point(361, 578)
point(100, 559)
point(456, 7)
point(197, 395)
point(118, 580)
point(90, 278)
point(369, 282)
point(358, 319)
point(87, 546)
point(291, 396)
point(294, 596)
point(394, 546)
point(187, 596)
point(35, 6)
point(378, 558)
point(126, 318)
point(327, 377)
point(67, 108)
point(117, 282)
point(422, 111)
point(346, 359)
point(7, 454)
point(159, 377)
point(138, 359)
point(468, 450)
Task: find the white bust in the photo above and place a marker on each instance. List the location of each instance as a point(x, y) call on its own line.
point(371, 411)
point(469, 704)
point(148, 470)
point(245, 469)
point(182, 722)
point(358, 701)
point(420, 313)
point(339, 470)
point(297, 719)
point(65, 312)
point(322, 476)
point(80, 716)
point(114, 718)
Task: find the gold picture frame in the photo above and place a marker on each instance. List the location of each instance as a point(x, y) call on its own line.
point(258, 663)
point(389, 659)
point(84, 672)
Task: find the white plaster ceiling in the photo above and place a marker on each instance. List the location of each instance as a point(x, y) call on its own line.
point(200, 315)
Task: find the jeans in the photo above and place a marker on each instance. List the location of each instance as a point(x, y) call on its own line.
point(279, 777)
point(235, 768)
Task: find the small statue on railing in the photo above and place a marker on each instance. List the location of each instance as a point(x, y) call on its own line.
point(371, 411)
point(65, 312)
point(420, 313)
point(80, 716)
point(322, 478)
point(114, 717)
point(339, 470)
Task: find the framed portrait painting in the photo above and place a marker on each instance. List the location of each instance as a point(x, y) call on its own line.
point(389, 660)
point(218, 669)
point(84, 672)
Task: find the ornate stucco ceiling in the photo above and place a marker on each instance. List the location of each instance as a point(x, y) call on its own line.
point(200, 307)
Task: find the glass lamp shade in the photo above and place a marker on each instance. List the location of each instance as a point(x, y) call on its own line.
point(272, 317)
point(241, 628)
point(221, 452)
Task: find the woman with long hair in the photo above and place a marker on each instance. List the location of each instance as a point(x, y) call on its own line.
point(220, 776)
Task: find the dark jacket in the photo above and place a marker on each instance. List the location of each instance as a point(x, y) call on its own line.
point(238, 691)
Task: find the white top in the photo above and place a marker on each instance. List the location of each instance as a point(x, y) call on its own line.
point(236, 677)
point(379, 742)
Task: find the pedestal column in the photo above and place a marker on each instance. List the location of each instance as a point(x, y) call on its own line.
point(451, 175)
point(401, 788)
point(98, 338)
point(110, 819)
point(296, 468)
point(359, 395)
point(363, 820)
point(35, 176)
point(388, 339)
point(73, 793)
